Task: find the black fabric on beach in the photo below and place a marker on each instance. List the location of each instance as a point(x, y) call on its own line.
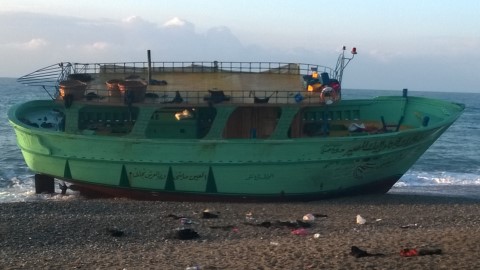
point(359, 253)
point(186, 234)
point(208, 215)
point(115, 232)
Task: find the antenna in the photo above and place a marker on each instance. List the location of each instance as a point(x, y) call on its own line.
point(342, 62)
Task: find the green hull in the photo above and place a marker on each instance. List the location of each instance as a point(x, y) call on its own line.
point(307, 153)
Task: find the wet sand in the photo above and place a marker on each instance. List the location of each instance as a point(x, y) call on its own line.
point(125, 234)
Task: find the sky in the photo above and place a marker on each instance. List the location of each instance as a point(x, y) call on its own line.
point(422, 45)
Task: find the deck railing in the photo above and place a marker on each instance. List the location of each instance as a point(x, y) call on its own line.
point(50, 77)
point(200, 66)
point(194, 98)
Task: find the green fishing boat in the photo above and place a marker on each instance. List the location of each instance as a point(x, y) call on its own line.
point(233, 131)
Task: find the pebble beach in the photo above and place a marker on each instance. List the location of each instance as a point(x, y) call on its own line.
point(127, 234)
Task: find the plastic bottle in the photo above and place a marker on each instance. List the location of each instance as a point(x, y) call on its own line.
point(193, 268)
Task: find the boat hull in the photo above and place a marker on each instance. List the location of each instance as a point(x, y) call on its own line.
point(221, 131)
point(99, 191)
point(268, 170)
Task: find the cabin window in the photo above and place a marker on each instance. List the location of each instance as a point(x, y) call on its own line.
point(107, 120)
point(322, 121)
point(180, 123)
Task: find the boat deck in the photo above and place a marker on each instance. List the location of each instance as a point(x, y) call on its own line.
point(194, 87)
point(227, 82)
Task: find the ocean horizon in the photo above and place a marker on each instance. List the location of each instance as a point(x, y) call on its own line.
point(450, 167)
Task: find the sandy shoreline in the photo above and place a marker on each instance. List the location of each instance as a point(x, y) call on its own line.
point(77, 234)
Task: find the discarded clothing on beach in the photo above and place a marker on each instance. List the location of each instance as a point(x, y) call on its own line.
point(207, 214)
point(175, 216)
point(415, 225)
point(300, 231)
point(303, 224)
point(223, 227)
point(424, 251)
point(115, 232)
point(186, 234)
point(410, 252)
point(359, 253)
point(278, 224)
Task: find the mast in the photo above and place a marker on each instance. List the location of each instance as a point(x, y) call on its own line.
point(149, 67)
point(342, 63)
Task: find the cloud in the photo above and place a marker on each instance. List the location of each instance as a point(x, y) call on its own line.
point(175, 21)
point(30, 41)
point(383, 56)
point(58, 38)
point(137, 23)
point(179, 26)
point(133, 19)
point(32, 44)
point(36, 43)
point(98, 46)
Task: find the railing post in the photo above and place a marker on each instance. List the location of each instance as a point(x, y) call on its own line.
point(149, 67)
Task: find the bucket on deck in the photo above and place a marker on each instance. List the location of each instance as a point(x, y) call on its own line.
point(138, 88)
point(113, 88)
point(75, 88)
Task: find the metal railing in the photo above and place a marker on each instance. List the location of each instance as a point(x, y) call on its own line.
point(50, 77)
point(200, 66)
point(194, 98)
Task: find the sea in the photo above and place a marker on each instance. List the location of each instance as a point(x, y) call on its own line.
point(450, 167)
